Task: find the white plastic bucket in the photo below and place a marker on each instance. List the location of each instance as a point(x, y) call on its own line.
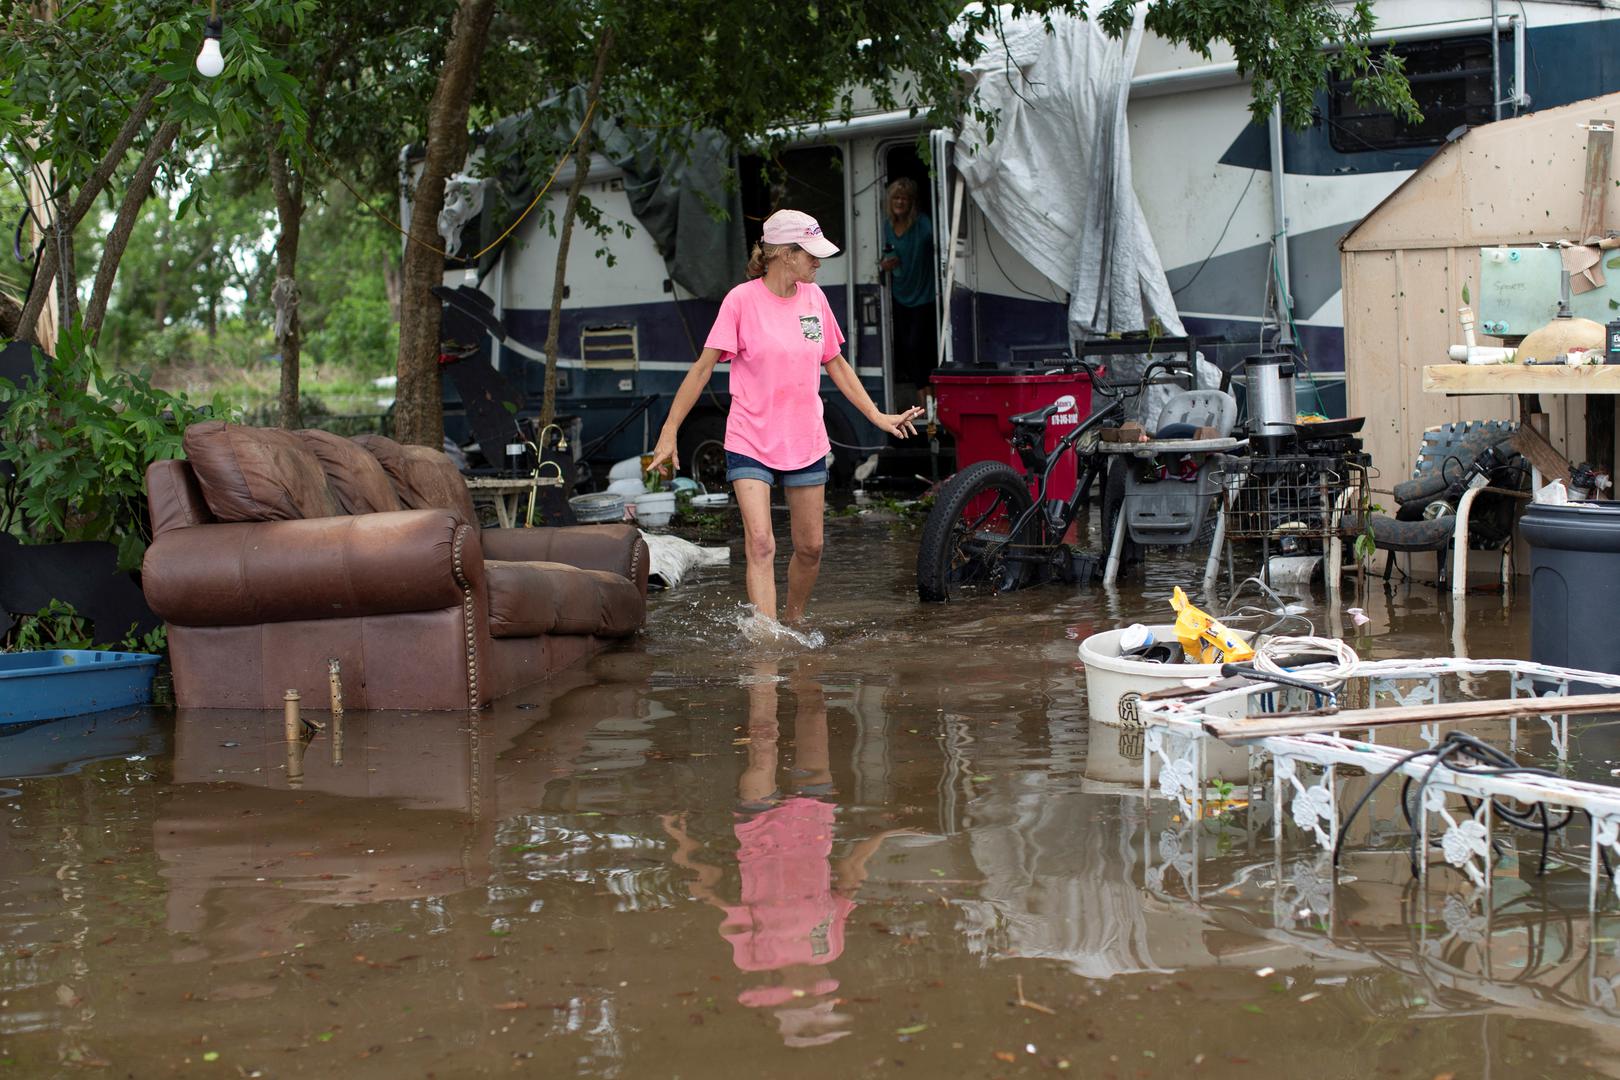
point(655, 508)
point(1114, 684)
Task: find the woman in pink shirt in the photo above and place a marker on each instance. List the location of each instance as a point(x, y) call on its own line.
point(778, 333)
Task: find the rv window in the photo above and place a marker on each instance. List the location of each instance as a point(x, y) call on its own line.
point(1451, 81)
point(809, 179)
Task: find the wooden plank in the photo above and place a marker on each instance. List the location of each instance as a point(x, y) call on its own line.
point(1240, 728)
point(1594, 192)
point(1530, 442)
point(1183, 691)
point(1521, 379)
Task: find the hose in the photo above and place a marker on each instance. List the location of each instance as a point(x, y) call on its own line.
point(1271, 650)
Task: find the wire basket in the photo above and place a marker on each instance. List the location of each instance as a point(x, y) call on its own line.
point(1304, 496)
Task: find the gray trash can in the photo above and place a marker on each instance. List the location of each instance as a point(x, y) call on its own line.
point(1574, 584)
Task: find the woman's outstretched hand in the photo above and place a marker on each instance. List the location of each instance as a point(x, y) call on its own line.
point(665, 451)
point(901, 424)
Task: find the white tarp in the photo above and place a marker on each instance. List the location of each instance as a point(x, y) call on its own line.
point(1056, 179)
point(670, 558)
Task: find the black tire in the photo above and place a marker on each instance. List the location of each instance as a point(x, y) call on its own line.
point(702, 447)
point(1113, 501)
point(841, 477)
point(965, 539)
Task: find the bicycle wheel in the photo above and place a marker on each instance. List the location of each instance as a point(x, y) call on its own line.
point(966, 545)
point(1113, 504)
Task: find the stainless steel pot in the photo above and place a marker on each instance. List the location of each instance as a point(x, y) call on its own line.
point(1269, 383)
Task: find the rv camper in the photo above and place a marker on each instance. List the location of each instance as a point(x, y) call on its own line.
point(1243, 221)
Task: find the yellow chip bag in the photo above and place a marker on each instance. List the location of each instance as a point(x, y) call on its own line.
point(1202, 638)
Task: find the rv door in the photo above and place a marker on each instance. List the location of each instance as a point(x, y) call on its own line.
point(947, 215)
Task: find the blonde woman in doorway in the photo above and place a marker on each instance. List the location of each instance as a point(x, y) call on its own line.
point(908, 259)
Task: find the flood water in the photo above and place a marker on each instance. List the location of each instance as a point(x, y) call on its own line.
point(698, 856)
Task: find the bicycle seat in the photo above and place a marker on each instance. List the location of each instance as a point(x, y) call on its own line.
point(1034, 418)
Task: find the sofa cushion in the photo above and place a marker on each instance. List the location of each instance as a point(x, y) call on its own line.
point(257, 474)
point(355, 476)
point(424, 479)
point(527, 599)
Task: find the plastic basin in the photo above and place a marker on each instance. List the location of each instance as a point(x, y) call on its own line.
point(1113, 686)
point(48, 685)
point(655, 508)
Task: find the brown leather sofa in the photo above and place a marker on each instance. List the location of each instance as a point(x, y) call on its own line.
point(275, 551)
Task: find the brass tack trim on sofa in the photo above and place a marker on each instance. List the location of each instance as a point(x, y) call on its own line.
point(467, 617)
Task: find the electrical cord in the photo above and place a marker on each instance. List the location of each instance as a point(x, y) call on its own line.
point(1454, 751)
point(1216, 247)
point(1270, 650)
point(1282, 614)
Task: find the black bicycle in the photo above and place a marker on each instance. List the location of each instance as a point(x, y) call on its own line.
point(986, 532)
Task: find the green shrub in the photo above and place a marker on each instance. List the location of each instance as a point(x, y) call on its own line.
point(80, 438)
point(59, 626)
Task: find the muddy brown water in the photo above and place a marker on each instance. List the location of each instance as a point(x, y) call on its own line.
point(700, 857)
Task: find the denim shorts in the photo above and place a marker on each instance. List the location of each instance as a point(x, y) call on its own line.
point(743, 467)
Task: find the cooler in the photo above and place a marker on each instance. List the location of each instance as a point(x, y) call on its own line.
point(975, 410)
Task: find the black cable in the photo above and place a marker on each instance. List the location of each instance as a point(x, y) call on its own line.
point(990, 246)
point(1492, 762)
point(1217, 245)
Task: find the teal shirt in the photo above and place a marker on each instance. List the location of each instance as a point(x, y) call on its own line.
point(912, 281)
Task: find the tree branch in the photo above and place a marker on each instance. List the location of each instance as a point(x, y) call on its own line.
point(140, 186)
point(582, 168)
point(92, 189)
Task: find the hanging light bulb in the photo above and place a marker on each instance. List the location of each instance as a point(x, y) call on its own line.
point(209, 61)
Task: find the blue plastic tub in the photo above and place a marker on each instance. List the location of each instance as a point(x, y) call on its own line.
point(38, 686)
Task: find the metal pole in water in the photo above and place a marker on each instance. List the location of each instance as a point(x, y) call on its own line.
point(290, 714)
point(293, 728)
point(334, 675)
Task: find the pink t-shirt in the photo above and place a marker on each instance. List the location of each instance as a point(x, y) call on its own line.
point(776, 346)
point(789, 912)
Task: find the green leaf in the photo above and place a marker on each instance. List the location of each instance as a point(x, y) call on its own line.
point(914, 1029)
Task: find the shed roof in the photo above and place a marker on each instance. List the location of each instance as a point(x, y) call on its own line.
point(1515, 181)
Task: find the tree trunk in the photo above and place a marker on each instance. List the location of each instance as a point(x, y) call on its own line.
point(418, 410)
point(285, 295)
point(67, 274)
point(86, 198)
point(129, 212)
point(582, 169)
point(10, 316)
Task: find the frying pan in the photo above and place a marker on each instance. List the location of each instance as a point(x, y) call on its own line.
point(1330, 429)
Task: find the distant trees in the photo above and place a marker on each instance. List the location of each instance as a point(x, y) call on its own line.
point(94, 98)
point(101, 105)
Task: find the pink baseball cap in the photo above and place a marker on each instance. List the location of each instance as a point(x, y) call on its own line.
point(798, 227)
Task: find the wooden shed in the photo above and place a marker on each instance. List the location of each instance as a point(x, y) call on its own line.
point(1515, 182)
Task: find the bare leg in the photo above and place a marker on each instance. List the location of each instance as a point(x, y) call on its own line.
point(811, 757)
point(754, 500)
point(807, 511)
point(758, 780)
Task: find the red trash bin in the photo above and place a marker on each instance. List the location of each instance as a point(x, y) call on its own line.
point(976, 409)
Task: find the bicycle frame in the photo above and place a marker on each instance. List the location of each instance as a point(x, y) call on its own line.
point(1054, 518)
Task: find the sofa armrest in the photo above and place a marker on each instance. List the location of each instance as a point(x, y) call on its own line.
point(615, 548)
point(241, 573)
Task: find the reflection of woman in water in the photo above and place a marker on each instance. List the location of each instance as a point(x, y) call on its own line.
point(795, 897)
point(908, 256)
